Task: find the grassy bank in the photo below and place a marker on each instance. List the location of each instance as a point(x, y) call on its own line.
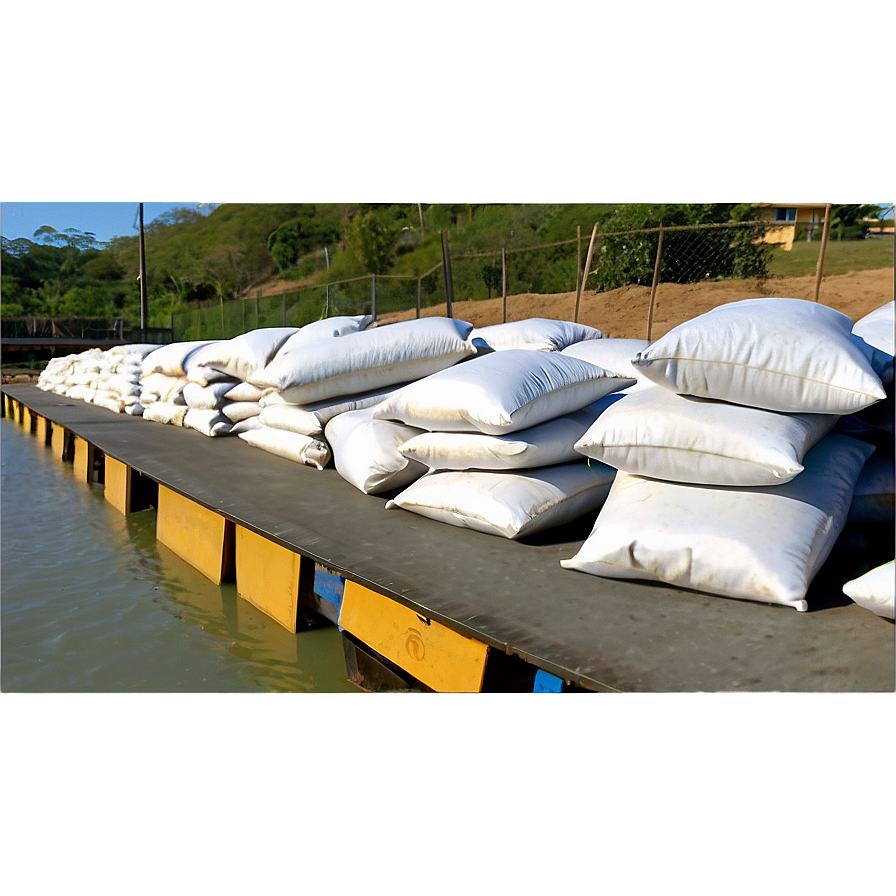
point(842, 256)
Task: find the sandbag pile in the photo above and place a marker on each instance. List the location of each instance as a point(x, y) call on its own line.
point(496, 436)
point(313, 379)
point(118, 385)
point(730, 480)
point(163, 380)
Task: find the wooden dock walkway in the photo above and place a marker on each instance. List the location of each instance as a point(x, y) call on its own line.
point(452, 608)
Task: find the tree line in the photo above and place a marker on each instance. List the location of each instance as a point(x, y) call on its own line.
point(197, 257)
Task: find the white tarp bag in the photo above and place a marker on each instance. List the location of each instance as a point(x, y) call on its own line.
point(165, 412)
point(290, 445)
point(244, 355)
point(210, 422)
point(876, 330)
point(762, 544)
point(874, 591)
point(873, 498)
point(311, 419)
point(203, 376)
point(787, 355)
point(612, 354)
point(535, 334)
point(244, 392)
point(175, 359)
point(544, 445)
point(240, 410)
point(245, 425)
point(500, 392)
point(657, 433)
point(367, 360)
point(328, 328)
point(208, 397)
point(365, 452)
point(512, 504)
point(162, 387)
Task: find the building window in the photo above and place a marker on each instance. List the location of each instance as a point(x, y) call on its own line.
point(785, 214)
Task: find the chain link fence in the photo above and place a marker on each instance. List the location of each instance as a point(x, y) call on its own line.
point(599, 262)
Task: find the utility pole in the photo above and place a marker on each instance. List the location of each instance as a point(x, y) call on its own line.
point(144, 304)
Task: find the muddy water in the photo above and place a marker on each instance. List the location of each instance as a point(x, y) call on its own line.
point(91, 602)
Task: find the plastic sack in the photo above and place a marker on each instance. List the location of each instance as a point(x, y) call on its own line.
point(328, 328)
point(243, 392)
point(365, 452)
point(367, 360)
point(311, 419)
point(500, 392)
point(876, 330)
point(513, 505)
point(244, 355)
point(210, 422)
point(290, 445)
point(534, 334)
point(174, 359)
point(760, 544)
point(207, 397)
point(874, 590)
point(235, 411)
point(787, 355)
point(544, 445)
point(165, 412)
point(654, 432)
point(611, 354)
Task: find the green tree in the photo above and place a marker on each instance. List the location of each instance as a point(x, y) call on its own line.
point(372, 236)
point(292, 240)
point(846, 220)
point(492, 275)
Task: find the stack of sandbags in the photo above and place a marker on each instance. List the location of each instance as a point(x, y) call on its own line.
point(164, 376)
point(316, 379)
point(497, 437)
point(118, 384)
point(730, 480)
point(54, 377)
point(81, 378)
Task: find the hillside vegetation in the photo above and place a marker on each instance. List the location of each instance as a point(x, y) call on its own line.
point(195, 258)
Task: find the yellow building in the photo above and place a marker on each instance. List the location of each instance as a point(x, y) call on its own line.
point(788, 217)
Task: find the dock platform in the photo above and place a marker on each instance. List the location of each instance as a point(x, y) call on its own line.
point(461, 603)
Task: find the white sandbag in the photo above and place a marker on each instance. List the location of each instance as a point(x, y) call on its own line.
point(165, 412)
point(657, 433)
point(328, 328)
point(544, 445)
point(162, 387)
point(209, 397)
point(243, 392)
point(174, 359)
point(235, 411)
point(511, 504)
point(535, 334)
point(311, 419)
point(365, 451)
point(875, 590)
point(876, 328)
point(210, 422)
point(762, 544)
point(873, 498)
point(246, 354)
point(787, 355)
point(876, 331)
point(367, 360)
point(611, 354)
point(135, 410)
point(291, 445)
point(245, 425)
point(500, 392)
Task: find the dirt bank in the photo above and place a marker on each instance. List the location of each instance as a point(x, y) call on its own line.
point(623, 312)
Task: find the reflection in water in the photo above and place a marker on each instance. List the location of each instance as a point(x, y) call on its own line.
point(92, 602)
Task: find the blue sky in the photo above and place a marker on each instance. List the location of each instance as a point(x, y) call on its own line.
point(104, 219)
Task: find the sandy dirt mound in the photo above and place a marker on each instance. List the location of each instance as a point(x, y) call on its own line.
point(623, 312)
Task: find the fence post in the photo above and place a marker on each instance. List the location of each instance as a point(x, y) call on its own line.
point(283, 309)
point(656, 277)
point(581, 287)
point(327, 258)
point(419, 289)
point(823, 249)
point(504, 280)
point(446, 263)
point(373, 295)
point(578, 258)
point(256, 310)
